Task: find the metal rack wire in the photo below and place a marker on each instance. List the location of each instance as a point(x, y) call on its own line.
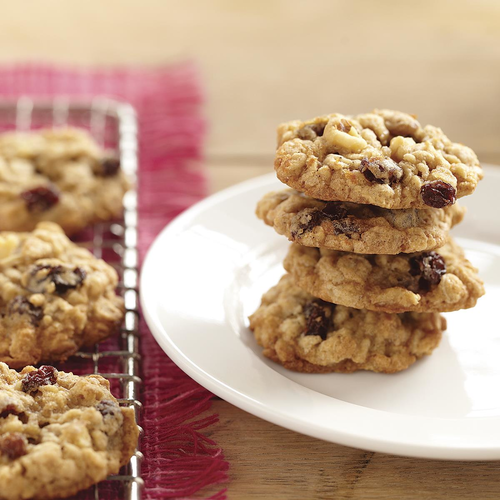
point(114, 126)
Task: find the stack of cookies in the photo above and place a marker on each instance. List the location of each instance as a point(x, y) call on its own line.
point(372, 264)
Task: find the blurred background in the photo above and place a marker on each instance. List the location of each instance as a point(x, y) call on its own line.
point(266, 61)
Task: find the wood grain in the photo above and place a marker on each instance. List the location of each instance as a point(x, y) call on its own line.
point(270, 462)
point(267, 61)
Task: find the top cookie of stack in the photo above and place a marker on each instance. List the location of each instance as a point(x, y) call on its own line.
point(376, 183)
point(384, 158)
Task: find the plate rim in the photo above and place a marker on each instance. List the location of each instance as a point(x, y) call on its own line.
point(340, 436)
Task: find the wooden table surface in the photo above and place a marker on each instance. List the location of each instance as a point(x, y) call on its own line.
point(267, 61)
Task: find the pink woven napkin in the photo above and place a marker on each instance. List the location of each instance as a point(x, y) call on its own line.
point(179, 459)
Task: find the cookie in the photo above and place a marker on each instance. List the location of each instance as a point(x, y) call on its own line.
point(383, 158)
point(350, 227)
point(306, 334)
point(54, 297)
point(59, 433)
point(59, 175)
point(437, 281)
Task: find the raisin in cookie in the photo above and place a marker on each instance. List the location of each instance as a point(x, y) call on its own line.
point(57, 175)
point(436, 281)
point(59, 433)
point(308, 335)
point(384, 158)
point(54, 297)
point(351, 227)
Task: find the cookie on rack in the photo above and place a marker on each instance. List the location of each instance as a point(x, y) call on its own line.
point(383, 158)
point(54, 297)
point(306, 334)
point(351, 227)
point(437, 281)
point(59, 175)
point(59, 433)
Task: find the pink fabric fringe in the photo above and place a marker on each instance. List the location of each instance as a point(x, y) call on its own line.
point(179, 459)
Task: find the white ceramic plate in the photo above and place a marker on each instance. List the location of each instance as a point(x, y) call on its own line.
point(205, 274)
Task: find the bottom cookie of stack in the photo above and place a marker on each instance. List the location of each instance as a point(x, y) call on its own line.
point(307, 334)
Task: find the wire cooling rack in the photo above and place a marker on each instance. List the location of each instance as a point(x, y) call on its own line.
point(114, 126)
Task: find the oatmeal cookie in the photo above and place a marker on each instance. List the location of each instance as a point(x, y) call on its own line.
point(383, 158)
point(306, 334)
point(54, 297)
point(437, 281)
point(59, 175)
point(350, 227)
point(59, 433)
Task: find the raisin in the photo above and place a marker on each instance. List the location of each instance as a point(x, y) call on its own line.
point(369, 176)
point(7, 410)
point(317, 318)
point(381, 170)
point(334, 211)
point(45, 375)
point(40, 199)
point(107, 407)
point(438, 194)
point(311, 131)
point(109, 166)
point(13, 445)
point(319, 128)
point(429, 267)
point(63, 278)
point(307, 223)
point(21, 305)
point(315, 220)
point(67, 279)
